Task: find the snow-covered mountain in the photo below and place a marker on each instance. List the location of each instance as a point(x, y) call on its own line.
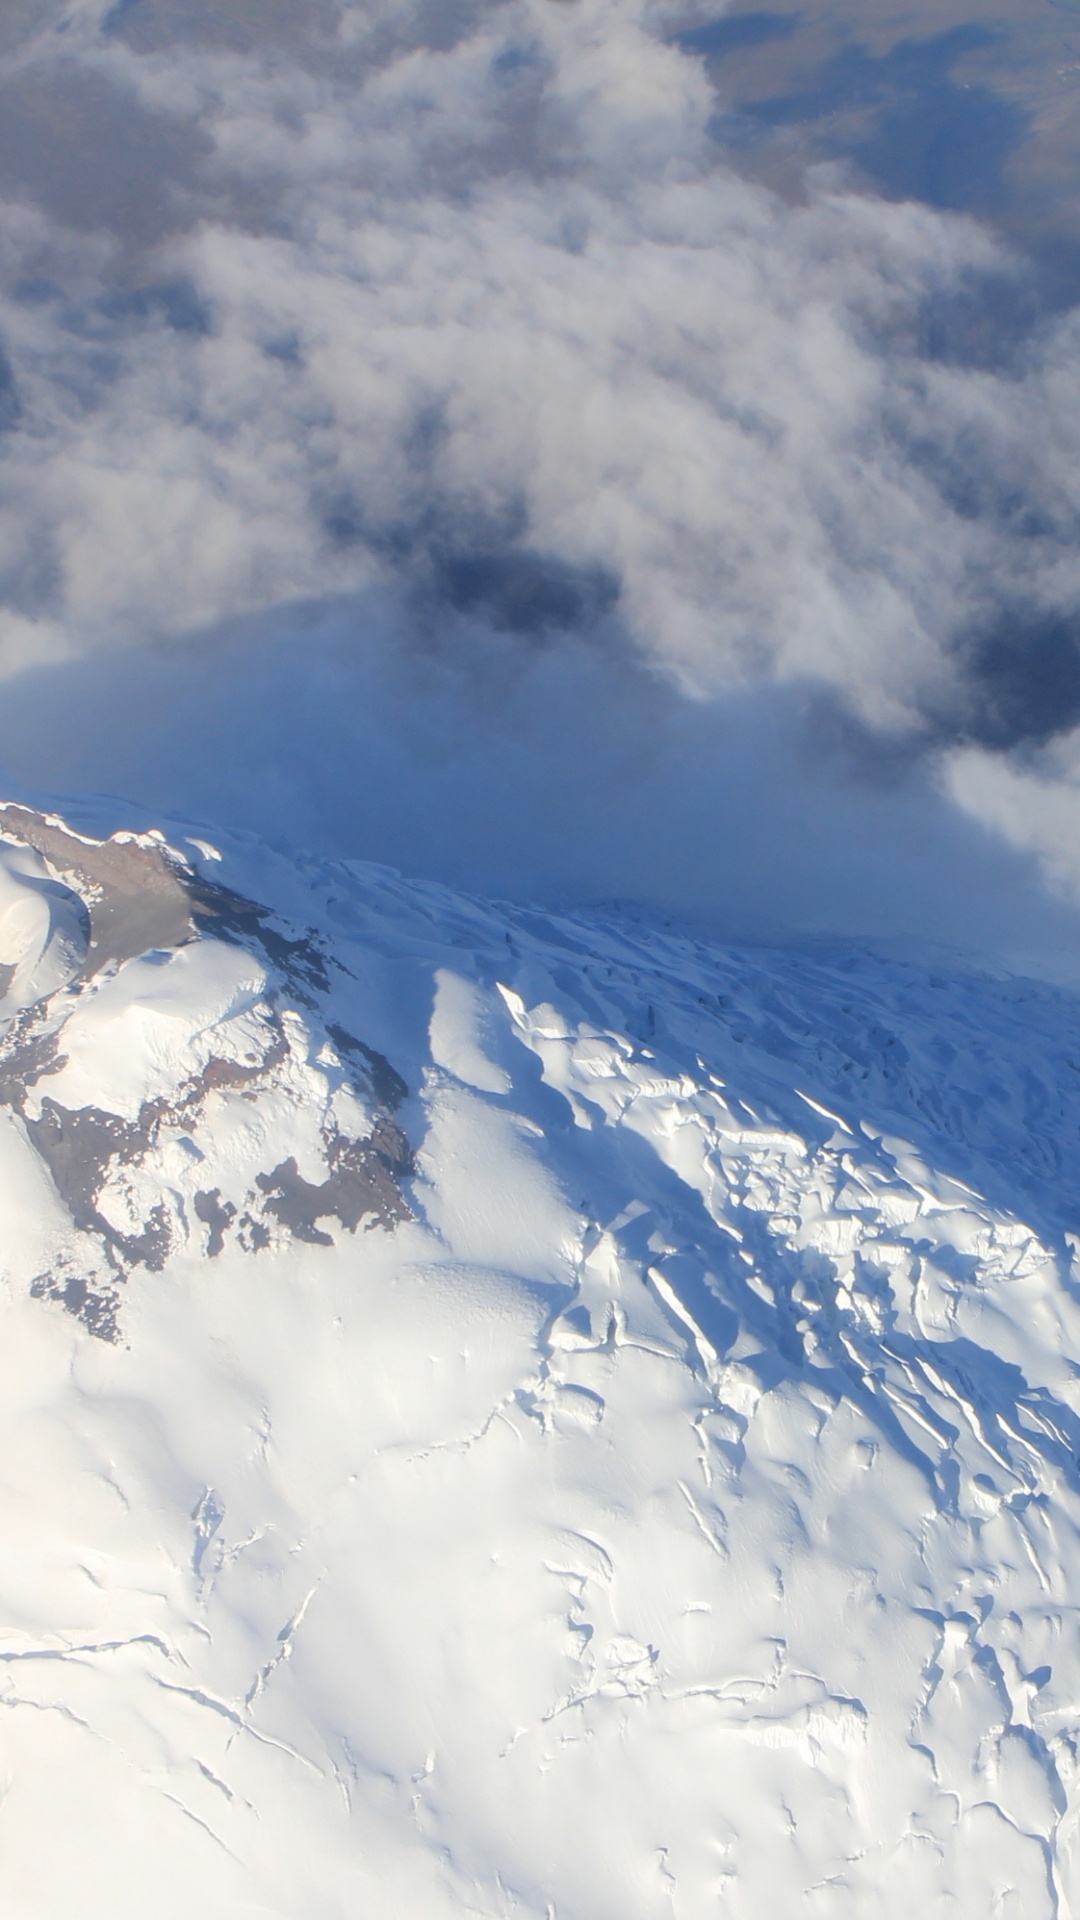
point(509, 1414)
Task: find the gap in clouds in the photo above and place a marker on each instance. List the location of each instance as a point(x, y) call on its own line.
point(957, 103)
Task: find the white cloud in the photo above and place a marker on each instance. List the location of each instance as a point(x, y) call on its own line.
point(1033, 804)
point(439, 294)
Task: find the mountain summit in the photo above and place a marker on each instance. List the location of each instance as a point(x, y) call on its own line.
point(519, 1414)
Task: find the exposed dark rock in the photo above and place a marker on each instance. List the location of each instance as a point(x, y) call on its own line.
point(26, 1058)
point(218, 1215)
point(78, 1148)
point(386, 1083)
point(297, 1204)
point(253, 1235)
point(135, 891)
point(152, 1247)
point(226, 915)
point(140, 895)
point(96, 1307)
point(363, 1180)
point(219, 1073)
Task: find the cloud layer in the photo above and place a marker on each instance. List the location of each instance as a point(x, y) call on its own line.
point(444, 346)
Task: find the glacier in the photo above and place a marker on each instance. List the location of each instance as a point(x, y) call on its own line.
point(508, 1412)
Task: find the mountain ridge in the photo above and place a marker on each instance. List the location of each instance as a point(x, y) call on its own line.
point(521, 1413)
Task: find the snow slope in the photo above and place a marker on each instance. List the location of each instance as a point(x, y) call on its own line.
point(516, 1415)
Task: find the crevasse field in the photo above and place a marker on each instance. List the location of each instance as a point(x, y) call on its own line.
point(518, 1414)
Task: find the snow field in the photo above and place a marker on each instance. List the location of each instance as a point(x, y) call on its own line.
point(677, 1515)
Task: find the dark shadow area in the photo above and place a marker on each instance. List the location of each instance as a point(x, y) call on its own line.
point(1023, 681)
point(522, 591)
point(707, 1273)
point(455, 564)
point(1017, 685)
point(481, 567)
point(978, 1073)
point(477, 568)
point(175, 302)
